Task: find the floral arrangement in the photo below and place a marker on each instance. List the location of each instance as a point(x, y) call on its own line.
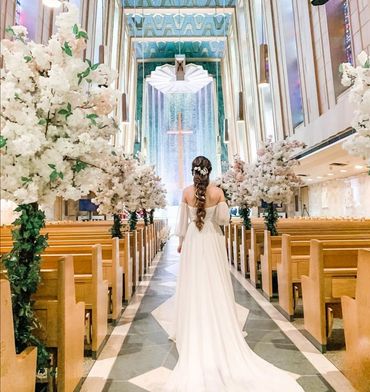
point(236, 186)
point(359, 78)
point(55, 130)
point(272, 178)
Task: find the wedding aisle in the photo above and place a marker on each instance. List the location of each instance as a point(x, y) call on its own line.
point(138, 356)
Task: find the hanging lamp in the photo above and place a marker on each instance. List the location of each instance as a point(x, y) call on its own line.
point(101, 46)
point(264, 78)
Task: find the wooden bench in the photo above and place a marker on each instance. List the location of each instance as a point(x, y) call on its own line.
point(90, 289)
point(332, 274)
point(236, 227)
point(356, 319)
point(62, 322)
point(294, 262)
point(245, 244)
point(18, 371)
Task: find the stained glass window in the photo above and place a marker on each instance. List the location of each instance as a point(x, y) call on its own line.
point(338, 17)
point(27, 14)
point(291, 58)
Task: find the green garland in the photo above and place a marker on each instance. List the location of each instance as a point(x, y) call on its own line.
point(245, 214)
point(151, 216)
point(145, 217)
point(23, 270)
point(116, 227)
point(271, 218)
point(132, 220)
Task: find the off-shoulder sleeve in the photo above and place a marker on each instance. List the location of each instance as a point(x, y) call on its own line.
point(182, 221)
point(222, 215)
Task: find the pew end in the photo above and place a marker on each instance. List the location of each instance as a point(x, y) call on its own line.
point(18, 371)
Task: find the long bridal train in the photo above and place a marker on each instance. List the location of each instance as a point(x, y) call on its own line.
point(213, 355)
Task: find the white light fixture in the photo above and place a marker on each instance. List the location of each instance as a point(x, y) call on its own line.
point(330, 174)
point(319, 177)
point(343, 170)
point(309, 179)
point(52, 3)
point(359, 167)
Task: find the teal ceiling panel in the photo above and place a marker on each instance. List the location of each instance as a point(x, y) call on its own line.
point(178, 25)
point(196, 49)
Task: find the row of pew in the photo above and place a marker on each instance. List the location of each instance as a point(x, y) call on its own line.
point(323, 264)
point(87, 278)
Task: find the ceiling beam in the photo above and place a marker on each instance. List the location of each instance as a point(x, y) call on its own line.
point(179, 39)
point(179, 11)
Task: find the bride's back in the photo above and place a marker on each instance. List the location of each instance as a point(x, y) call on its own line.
point(214, 195)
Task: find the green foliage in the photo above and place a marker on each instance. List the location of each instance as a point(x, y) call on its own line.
point(132, 220)
point(66, 112)
point(3, 141)
point(9, 30)
point(92, 117)
point(145, 217)
point(245, 215)
point(79, 33)
point(271, 219)
point(28, 58)
point(117, 226)
point(67, 49)
point(23, 270)
point(26, 180)
point(54, 175)
point(79, 166)
point(151, 216)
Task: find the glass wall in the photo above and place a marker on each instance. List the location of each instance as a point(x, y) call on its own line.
point(265, 88)
point(291, 59)
point(27, 14)
point(338, 17)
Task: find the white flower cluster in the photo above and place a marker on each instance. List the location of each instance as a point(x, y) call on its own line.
point(236, 184)
point(131, 186)
point(359, 78)
point(272, 178)
point(55, 129)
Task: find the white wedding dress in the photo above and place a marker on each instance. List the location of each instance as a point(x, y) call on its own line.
point(213, 355)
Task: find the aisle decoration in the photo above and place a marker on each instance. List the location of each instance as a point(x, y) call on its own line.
point(272, 178)
point(55, 128)
point(118, 189)
point(236, 184)
point(359, 78)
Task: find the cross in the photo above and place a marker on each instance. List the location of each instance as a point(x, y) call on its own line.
point(180, 132)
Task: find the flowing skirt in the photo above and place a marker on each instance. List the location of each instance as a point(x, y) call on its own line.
point(213, 355)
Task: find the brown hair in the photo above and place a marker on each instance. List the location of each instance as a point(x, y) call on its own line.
point(201, 169)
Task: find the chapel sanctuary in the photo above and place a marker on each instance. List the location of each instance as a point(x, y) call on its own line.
point(255, 278)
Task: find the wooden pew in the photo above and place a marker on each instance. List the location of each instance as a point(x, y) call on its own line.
point(294, 262)
point(244, 248)
point(356, 319)
point(236, 227)
point(62, 322)
point(18, 371)
point(269, 259)
point(90, 289)
point(332, 274)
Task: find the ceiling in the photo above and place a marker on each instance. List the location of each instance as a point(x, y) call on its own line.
point(193, 49)
point(330, 163)
point(157, 26)
point(177, 3)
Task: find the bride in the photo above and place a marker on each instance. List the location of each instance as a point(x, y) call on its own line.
point(213, 355)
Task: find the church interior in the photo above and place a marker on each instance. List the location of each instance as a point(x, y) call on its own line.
point(104, 106)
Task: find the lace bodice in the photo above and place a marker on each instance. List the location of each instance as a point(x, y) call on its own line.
point(218, 214)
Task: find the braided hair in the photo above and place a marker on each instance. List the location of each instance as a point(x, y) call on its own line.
point(201, 169)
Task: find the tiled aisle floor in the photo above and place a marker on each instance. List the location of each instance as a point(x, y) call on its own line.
point(146, 356)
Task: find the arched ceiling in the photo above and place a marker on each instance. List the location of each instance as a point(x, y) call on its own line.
point(160, 29)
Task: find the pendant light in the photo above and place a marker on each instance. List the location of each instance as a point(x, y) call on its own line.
point(264, 78)
point(226, 121)
point(124, 114)
point(241, 107)
point(101, 46)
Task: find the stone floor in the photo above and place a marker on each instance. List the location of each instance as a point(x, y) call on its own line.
point(138, 355)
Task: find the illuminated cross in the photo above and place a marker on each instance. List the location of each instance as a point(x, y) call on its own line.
point(180, 144)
